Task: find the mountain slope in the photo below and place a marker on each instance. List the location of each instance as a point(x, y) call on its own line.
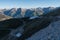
point(4, 17)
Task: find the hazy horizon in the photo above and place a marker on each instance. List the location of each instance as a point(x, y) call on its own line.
point(28, 3)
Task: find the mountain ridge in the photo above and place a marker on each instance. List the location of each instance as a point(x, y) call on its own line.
point(21, 12)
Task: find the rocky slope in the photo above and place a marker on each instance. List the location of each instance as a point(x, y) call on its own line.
point(52, 32)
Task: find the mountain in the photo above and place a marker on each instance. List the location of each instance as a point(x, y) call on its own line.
point(33, 28)
point(10, 12)
point(21, 12)
point(29, 13)
point(39, 11)
point(18, 13)
point(55, 12)
point(51, 32)
point(46, 10)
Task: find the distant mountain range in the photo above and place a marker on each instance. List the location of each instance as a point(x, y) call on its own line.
point(20, 12)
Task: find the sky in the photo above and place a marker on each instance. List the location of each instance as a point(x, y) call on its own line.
point(28, 3)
